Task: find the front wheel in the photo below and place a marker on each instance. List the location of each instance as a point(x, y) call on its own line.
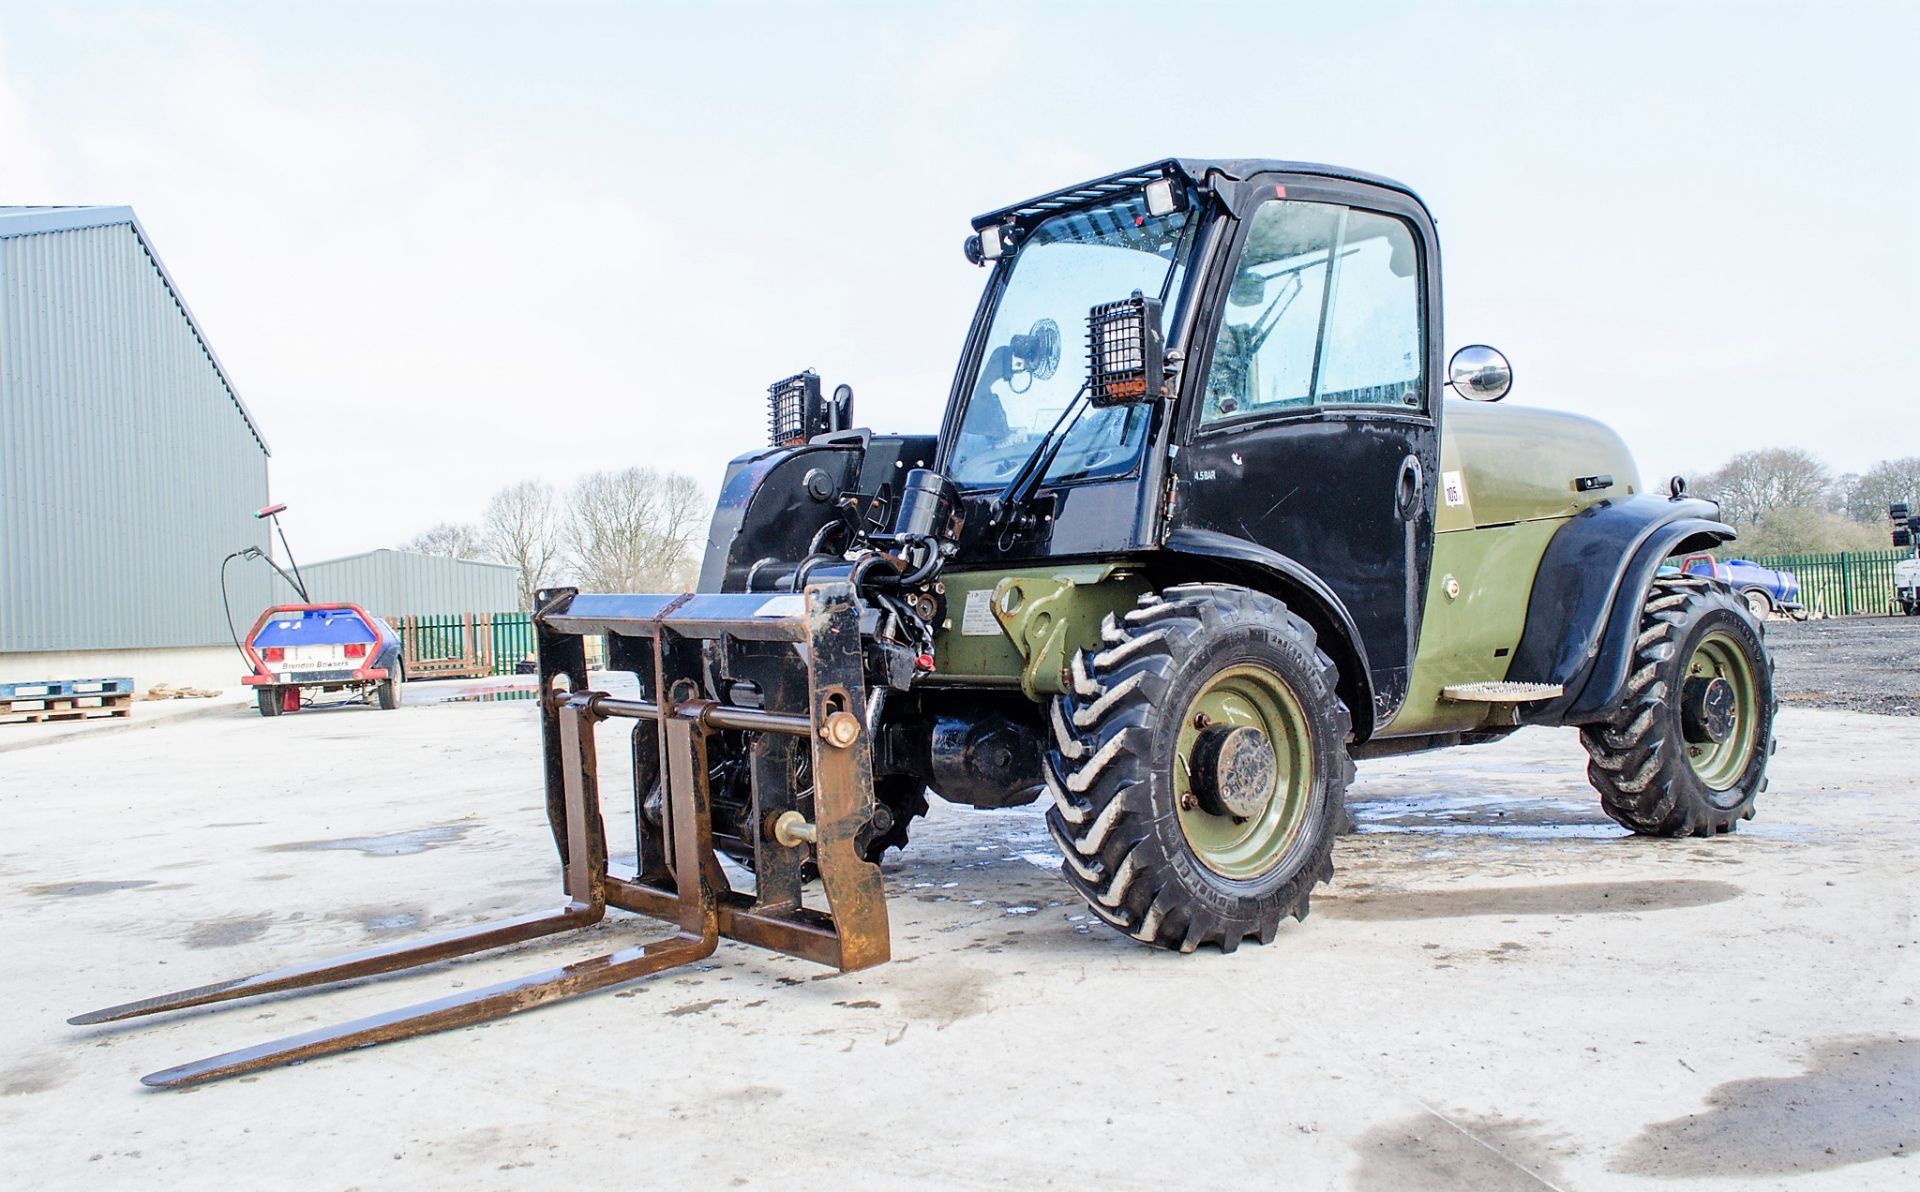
point(1685, 753)
point(1197, 767)
point(1758, 603)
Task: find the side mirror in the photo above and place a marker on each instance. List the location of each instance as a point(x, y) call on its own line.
point(1126, 353)
point(1479, 373)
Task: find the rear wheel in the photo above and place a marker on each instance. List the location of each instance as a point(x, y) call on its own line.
point(1198, 767)
point(1758, 603)
point(269, 698)
point(389, 691)
point(1686, 752)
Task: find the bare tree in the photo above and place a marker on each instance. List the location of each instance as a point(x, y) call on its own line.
point(634, 530)
point(1868, 494)
point(1754, 484)
point(1794, 531)
point(452, 540)
point(522, 529)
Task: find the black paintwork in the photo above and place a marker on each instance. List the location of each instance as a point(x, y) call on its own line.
point(1584, 611)
point(768, 514)
point(1329, 488)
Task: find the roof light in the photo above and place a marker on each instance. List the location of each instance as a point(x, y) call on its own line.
point(996, 241)
point(1163, 197)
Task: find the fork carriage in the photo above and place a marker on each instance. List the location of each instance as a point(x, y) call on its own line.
point(678, 877)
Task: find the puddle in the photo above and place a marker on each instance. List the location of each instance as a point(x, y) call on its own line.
point(389, 921)
point(82, 889)
point(395, 844)
point(1577, 898)
point(491, 697)
point(1458, 813)
point(1857, 1099)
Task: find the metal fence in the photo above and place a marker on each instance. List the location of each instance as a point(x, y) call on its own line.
point(469, 645)
point(1851, 583)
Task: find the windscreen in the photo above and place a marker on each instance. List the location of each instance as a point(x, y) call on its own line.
point(1035, 365)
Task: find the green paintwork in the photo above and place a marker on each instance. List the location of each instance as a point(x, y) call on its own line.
point(1518, 464)
point(1245, 849)
point(1058, 610)
point(1515, 470)
point(1494, 570)
point(1721, 765)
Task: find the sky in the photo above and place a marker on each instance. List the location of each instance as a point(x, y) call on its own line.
point(444, 247)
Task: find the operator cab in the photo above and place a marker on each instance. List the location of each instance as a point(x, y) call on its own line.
point(1293, 421)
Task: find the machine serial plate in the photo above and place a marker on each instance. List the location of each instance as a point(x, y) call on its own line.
point(977, 620)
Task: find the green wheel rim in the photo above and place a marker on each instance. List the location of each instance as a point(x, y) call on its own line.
point(1246, 849)
point(1720, 764)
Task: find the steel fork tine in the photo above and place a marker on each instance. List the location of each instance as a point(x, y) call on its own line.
point(466, 1009)
point(367, 963)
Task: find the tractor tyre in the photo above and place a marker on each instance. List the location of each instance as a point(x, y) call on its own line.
point(269, 698)
point(389, 688)
point(1198, 767)
point(1686, 751)
point(1758, 603)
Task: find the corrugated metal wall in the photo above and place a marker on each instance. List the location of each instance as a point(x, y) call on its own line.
point(403, 583)
point(127, 469)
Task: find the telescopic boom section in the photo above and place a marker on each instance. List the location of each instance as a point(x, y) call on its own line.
point(678, 876)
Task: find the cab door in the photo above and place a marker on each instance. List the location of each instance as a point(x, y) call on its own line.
point(1309, 421)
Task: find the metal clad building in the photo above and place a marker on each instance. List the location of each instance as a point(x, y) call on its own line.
point(402, 583)
point(129, 467)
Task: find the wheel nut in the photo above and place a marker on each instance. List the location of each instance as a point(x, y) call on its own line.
point(1201, 720)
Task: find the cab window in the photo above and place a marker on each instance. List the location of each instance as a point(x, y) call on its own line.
point(1323, 310)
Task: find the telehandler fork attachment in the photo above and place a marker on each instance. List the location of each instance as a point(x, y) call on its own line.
point(816, 634)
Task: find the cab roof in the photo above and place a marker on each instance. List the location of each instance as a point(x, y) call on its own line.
point(1200, 171)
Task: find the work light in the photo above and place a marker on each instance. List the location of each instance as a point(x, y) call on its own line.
point(1125, 351)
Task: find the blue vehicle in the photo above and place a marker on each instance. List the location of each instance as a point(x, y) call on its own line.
point(299, 648)
point(1765, 590)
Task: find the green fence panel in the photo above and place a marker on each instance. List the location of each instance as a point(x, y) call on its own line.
point(512, 641)
point(1850, 583)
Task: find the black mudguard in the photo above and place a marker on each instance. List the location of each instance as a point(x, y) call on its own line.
point(1584, 612)
point(1307, 595)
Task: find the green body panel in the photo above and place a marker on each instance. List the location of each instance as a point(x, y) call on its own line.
point(1026, 622)
point(1507, 485)
point(1460, 641)
point(1512, 464)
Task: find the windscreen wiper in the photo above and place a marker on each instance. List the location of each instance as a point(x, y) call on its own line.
point(1027, 478)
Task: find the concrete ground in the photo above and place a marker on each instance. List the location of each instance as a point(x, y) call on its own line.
point(1500, 989)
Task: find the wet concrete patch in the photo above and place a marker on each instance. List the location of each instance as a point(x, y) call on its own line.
point(380, 922)
point(695, 1008)
point(1463, 813)
point(394, 844)
point(83, 889)
point(1575, 898)
point(1857, 1100)
point(32, 1076)
point(492, 697)
point(228, 932)
point(1427, 1151)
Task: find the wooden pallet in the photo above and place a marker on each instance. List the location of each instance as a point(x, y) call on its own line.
point(70, 707)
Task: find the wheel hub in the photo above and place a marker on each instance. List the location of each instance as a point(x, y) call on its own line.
point(1233, 770)
point(1707, 710)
